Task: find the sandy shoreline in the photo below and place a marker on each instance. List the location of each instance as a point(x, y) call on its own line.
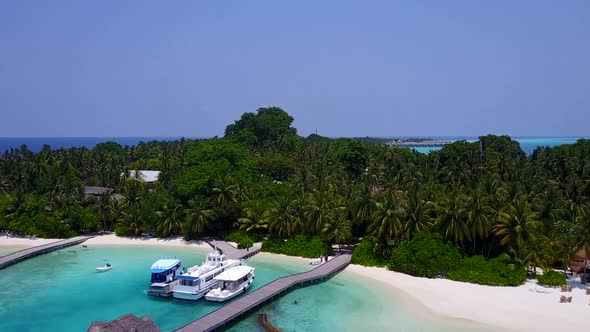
point(519, 308)
point(514, 308)
point(106, 240)
point(113, 240)
point(19, 242)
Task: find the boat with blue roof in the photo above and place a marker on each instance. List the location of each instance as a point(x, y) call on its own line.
point(164, 275)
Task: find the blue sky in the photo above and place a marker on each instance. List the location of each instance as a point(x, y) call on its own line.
point(345, 68)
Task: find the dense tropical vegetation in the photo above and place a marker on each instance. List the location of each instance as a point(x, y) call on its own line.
point(486, 198)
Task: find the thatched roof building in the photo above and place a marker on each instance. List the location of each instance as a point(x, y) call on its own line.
point(97, 191)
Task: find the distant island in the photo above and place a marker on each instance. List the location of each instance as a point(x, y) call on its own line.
point(411, 142)
point(404, 142)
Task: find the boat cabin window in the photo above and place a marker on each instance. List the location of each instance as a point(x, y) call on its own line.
point(159, 277)
point(190, 282)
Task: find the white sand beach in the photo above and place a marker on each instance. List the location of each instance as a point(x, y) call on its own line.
point(519, 308)
point(23, 242)
point(113, 240)
point(105, 240)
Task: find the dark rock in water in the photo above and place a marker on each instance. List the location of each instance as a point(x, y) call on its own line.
point(126, 323)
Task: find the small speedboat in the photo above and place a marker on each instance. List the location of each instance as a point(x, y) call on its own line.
point(104, 268)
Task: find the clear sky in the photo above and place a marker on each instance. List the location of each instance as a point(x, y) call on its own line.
point(347, 68)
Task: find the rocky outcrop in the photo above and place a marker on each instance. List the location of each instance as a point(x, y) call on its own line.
point(126, 323)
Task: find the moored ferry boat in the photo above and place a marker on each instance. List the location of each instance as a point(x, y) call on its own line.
point(231, 283)
point(198, 280)
point(164, 275)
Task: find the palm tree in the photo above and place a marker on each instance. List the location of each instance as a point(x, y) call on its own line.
point(15, 205)
point(318, 212)
point(387, 226)
point(478, 217)
point(338, 229)
point(169, 219)
point(362, 209)
point(224, 192)
point(132, 219)
point(299, 204)
point(253, 218)
point(417, 218)
point(281, 219)
point(549, 205)
point(197, 218)
point(104, 207)
point(452, 219)
point(516, 225)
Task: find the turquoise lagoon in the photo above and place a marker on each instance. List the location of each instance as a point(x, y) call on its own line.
point(61, 291)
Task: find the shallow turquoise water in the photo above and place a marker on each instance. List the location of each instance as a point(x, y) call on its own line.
point(345, 303)
point(61, 291)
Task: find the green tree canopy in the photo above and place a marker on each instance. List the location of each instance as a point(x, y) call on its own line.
point(269, 125)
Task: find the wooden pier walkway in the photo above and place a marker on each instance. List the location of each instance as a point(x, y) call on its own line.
point(25, 254)
point(231, 252)
point(248, 302)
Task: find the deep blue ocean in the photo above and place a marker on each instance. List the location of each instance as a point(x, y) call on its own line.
point(36, 143)
point(528, 144)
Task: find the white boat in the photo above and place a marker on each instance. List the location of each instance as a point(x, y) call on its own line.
point(232, 283)
point(198, 280)
point(104, 268)
point(164, 274)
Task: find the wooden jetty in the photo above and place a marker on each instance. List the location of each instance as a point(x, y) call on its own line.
point(25, 254)
point(248, 302)
point(231, 252)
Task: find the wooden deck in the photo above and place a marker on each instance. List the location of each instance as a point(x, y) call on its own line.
point(25, 254)
point(231, 252)
point(248, 302)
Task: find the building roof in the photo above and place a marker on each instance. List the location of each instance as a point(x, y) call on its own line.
point(97, 191)
point(145, 175)
point(91, 190)
point(235, 273)
point(164, 264)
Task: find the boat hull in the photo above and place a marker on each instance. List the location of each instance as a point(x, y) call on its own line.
point(189, 296)
point(226, 298)
point(161, 290)
point(216, 295)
